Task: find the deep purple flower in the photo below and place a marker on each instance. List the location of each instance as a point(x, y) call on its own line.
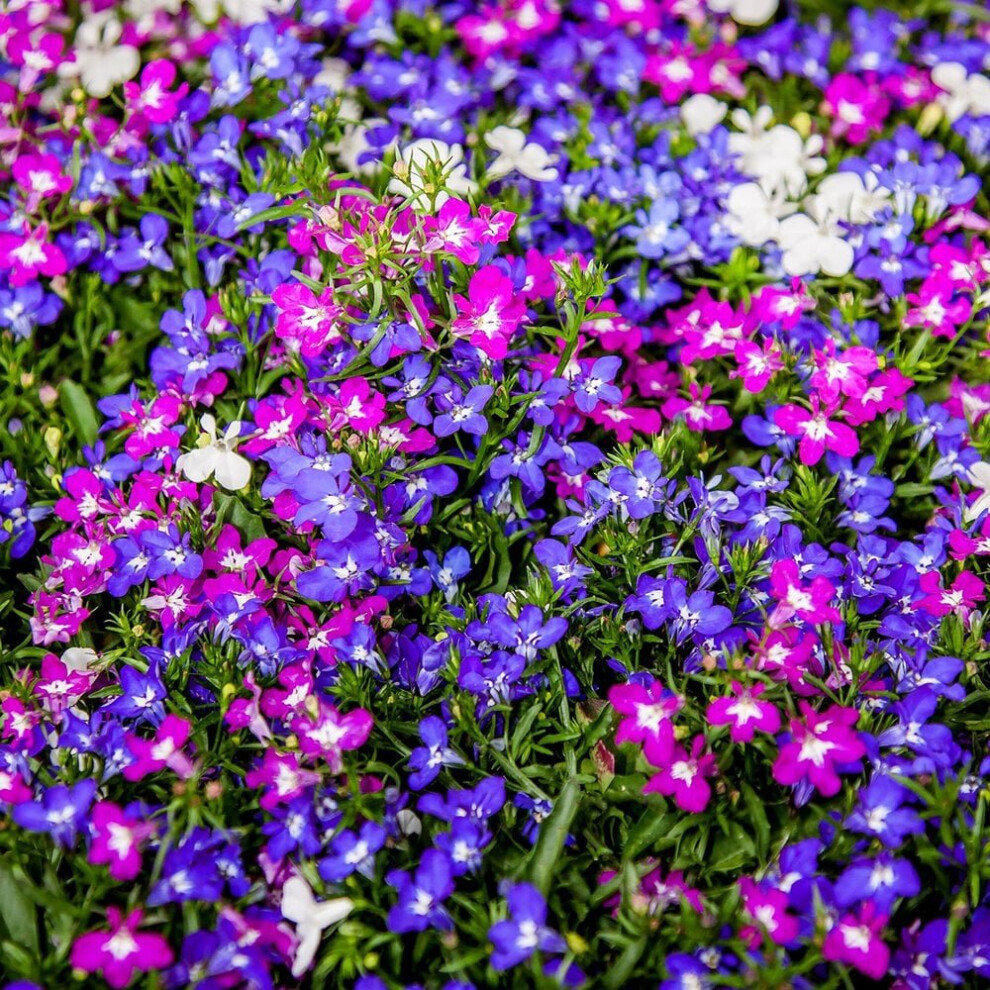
point(421, 897)
point(62, 811)
point(525, 930)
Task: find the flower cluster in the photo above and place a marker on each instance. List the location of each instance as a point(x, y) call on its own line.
point(494, 495)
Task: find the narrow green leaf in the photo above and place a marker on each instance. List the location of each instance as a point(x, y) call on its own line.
point(17, 910)
point(553, 835)
point(80, 412)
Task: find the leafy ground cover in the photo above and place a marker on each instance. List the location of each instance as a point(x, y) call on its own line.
point(494, 495)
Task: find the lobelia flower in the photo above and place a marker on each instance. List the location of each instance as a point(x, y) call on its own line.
point(525, 931)
point(749, 12)
point(421, 897)
point(429, 170)
point(310, 917)
point(426, 761)
point(882, 880)
point(216, 458)
point(41, 177)
point(122, 951)
point(516, 155)
point(117, 840)
point(457, 413)
point(963, 92)
point(491, 314)
point(683, 774)
point(808, 602)
point(855, 939)
point(822, 745)
point(27, 254)
point(165, 750)
point(100, 63)
point(817, 430)
point(352, 852)
point(61, 812)
point(152, 98)
point(744, 713)
point(697, 413)
point(768, 909)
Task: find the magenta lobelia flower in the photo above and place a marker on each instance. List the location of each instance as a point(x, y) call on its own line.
point(117, 840)
point(120, 952)
point(491, 313)
point(683, 778)
point(820, 743)
point(744, 713)
point(817, 430)
point(856, 941)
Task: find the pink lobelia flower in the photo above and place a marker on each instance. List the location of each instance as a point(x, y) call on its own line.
point(819, 741)
point(768, 909)
point(683, 778)
point(455, 231)
point(844, 372)
point(885, 393)
point(40, 176)
point(744, 712)
point(29, 254)
point(117, 840)
point(855, 940)
point(758, 363)
point(857, 107)
point(808, 602)
point(647, 715)
point(280, 778)
point(818, 432)
point(697, 413)
point(152, 98)
point(120, 952)
point(306, 323)
point(965, 592)
point(491, 314)
point(330, 734)
point(937, 307)
point(165, 750)
point(59, 687)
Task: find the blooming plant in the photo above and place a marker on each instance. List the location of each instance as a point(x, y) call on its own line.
point(494, 495)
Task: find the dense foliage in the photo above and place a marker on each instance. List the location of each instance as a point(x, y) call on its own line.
point(494, 495)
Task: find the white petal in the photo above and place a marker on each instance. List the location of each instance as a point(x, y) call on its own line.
point(297, 900)
point(197, 465)
point(309, 941)
point(835, 256)
point(233, 472)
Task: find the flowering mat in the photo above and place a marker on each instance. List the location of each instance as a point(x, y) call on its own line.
point(494, 495)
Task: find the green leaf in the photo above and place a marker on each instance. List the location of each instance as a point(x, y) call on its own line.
point(553, 835)
point(17, 909)
point(80, 412)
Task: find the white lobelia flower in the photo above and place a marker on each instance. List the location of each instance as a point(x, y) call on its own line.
point(779, 157)
point(409, 822)
point(964, 93)
point(310, 917)
point(418, 162)
point(749, 12)
point(217, 458)
point(813, 241)
point(979, 475)
point(701, 113)
point(100, 63)
point(851, 197)
point(80, 658)
point(755, 215)
point(515, 155)
point(333, 74)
